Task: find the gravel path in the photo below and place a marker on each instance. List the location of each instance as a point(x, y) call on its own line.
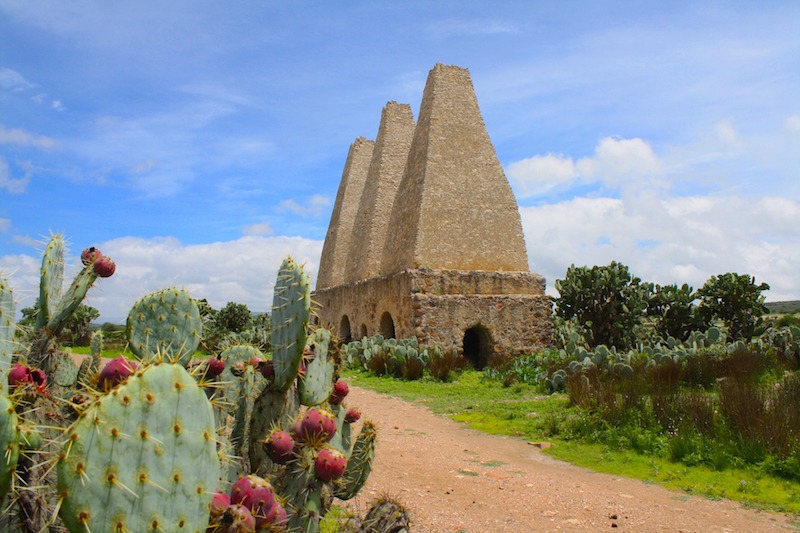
point(452, 479)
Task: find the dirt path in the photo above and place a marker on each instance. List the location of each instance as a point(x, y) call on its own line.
point(452, 479)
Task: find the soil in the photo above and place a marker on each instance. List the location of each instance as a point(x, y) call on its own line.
point(454, 479)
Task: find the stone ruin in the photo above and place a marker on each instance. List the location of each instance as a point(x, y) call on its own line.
point(425, 239)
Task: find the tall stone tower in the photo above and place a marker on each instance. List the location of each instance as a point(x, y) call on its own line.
point(435, 248)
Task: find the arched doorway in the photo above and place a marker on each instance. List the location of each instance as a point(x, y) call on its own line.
point(344, 330)
point(363, 330)
point(478, 346)
point(387, 325)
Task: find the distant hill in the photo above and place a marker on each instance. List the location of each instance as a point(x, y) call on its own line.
point(784, 308)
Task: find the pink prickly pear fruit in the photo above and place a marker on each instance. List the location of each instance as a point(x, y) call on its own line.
point(116, 371)
point(236, 519)
point(257, 362)
point(90, 255)
point(104, 266)
point(253, 492)
point(219, 503)
point(214, 367)
point(19, 375)
point(297, 430)
point(268, 370)
point(340, 391)
point(329, 464)
point(238, 368)
point(352, 415)
point(280, 447)
point(275, 519)
point(318, 424)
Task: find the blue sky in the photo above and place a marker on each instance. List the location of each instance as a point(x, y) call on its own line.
point(197, 143)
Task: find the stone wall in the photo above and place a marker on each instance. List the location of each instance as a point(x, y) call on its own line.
point(440, 306)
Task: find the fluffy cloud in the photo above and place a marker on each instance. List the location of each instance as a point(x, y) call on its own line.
point(258, 229)
point(616, 163)
point(677, 240)
point(315, 206)
point(11, 184)
point(240, 271)
point(24, 138)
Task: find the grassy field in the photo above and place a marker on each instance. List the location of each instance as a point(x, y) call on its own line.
point(523, 411)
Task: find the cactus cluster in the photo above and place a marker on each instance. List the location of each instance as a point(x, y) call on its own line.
point(157, 444)
point(403, 358)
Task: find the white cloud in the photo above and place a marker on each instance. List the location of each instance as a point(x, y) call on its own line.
point(541, 173)
point(5, 224)
point(616, 163)
point(258, 229)
point(316, 205)
point(792, 123)
point(677, 240)
point(24, 138)
point(13, 185)
point(11, 79)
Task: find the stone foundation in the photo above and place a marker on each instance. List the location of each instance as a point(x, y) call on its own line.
point(485, 315)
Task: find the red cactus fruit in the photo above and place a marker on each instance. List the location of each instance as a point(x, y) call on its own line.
point(275, 519)
point(352, 415)
point(329, 464)
point(237, 369)
point(219, 503)
point(340, 391)
point(268, 370)
point(90, 255)
point(318, 424)
point(297, 430)
point(257, 362)
point(280, 447)
point(116, 371)
point(104, 266)
point(18, 375)
point(214, 367)
point(236, 519)
point(255, 493)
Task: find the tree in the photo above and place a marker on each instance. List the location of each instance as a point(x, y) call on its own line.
point(606, 299)
point(233, 317)
point(674, 311)
point(736, 300)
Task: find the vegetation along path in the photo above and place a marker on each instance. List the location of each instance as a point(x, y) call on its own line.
point(452, 478)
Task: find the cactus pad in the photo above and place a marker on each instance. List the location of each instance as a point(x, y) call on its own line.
point(291, 310)
point(317, 384)
point(165, 323)
point(9, 444)
point(142, 457)
point(7, 329)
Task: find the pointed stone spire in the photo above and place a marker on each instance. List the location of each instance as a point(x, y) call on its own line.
point(337, 241)
point(385, 173)
point(455, 208)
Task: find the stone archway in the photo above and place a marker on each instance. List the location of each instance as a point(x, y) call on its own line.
point(363, 330)
point(344, 330)
point(387, 325)
point(478, 346)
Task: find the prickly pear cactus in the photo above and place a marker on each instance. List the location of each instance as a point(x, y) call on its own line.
point(7, 328)
point(142, 458)
point(291, 310)
point(51, 279)
point(165, 323)
point(9, 444)
point(316, 384)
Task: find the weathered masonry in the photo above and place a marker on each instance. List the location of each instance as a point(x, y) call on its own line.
point(425, 239)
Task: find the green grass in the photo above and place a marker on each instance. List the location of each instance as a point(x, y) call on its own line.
point(107, 353)
point(523, 411)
